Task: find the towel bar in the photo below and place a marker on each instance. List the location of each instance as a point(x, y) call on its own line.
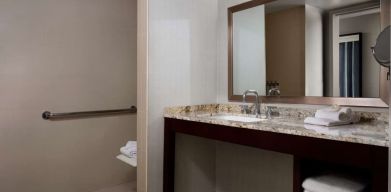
point(47, 115)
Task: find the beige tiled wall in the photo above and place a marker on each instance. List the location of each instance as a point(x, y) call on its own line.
point(65, 55)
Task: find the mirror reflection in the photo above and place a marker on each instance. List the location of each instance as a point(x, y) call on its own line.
point(306, 48)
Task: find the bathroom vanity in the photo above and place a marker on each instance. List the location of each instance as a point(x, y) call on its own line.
point(297, 53)
point(359, 149)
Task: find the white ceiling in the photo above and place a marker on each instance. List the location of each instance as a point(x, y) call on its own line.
point(322, 4)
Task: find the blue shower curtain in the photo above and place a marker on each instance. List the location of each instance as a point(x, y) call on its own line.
point(350, 69)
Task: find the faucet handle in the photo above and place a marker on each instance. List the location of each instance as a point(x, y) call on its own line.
point(270, 111)
point(245, 109)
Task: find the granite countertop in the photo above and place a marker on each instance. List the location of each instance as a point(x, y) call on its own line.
point(372, 128)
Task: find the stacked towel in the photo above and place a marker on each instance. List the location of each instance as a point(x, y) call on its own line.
point(130, 149)
point(332, 117)
point(324, 122)
point(334, 183)
point(343, 114)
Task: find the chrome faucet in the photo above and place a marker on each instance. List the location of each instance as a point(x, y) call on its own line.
point(257, 104)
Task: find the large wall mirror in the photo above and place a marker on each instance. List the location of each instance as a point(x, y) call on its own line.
point(309, 52)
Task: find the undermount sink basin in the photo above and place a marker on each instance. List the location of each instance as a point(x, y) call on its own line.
point(243, 119)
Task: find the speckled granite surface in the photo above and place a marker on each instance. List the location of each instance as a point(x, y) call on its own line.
point(372, 128)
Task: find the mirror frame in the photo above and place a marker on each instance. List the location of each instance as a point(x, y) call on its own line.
point(381, 102)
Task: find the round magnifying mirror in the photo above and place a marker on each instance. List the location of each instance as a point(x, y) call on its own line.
point(381, 51)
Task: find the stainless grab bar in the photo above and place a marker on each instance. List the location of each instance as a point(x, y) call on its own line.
point(47, 115)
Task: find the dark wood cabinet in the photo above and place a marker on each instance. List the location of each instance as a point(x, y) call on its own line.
point(311, 155)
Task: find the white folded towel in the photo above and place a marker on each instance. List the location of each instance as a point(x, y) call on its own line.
point(332, 116)
point(334, 183)
point(131, 144)
point(343, 114)
point(324, 122)
point(130, 149)
point(131, 153)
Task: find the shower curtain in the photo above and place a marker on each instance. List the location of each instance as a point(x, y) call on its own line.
point(350, 65)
